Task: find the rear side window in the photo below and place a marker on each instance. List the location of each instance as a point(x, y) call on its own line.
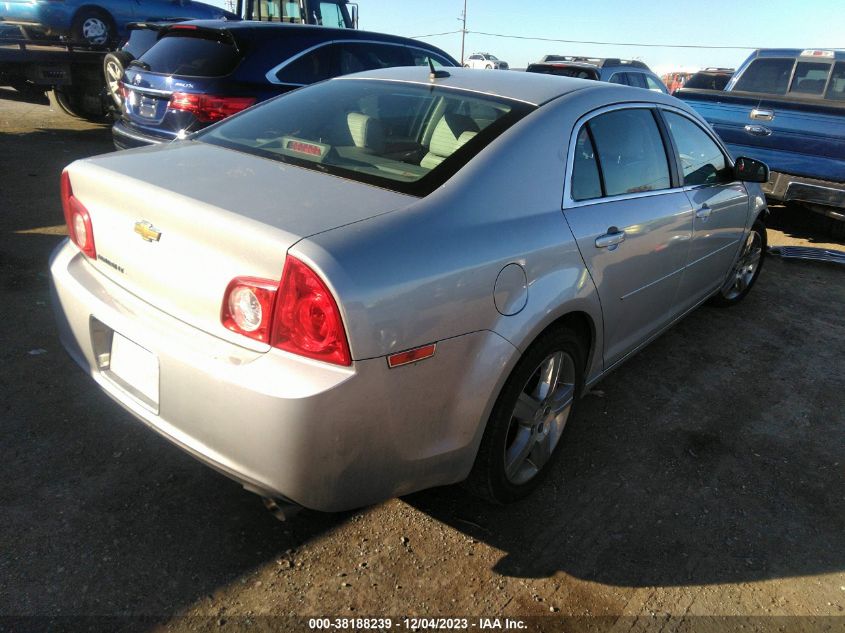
point(810, 78)
point(356, 57)
point(192, 56)
point(630, 151)
point(313, 66)
point(586, 182)
point(332, 60)
point(701, 159)
point(836, 88)
point(770, 76)
point(420, 57)
point(563, 71)
point(636, 79)
point(619, 78)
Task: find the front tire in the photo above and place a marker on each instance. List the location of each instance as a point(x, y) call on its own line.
point(746, 270)
point(522, 438)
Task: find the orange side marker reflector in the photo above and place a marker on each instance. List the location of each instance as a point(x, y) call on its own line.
point(411, 356)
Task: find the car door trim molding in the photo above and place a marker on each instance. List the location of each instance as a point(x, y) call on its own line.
point(273, 79)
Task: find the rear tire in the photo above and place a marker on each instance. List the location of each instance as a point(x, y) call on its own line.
point(746, 270)
point(522, 438)
point(78, 104)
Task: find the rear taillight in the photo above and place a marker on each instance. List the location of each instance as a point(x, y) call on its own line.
point(298, 314)
point(208, 108)
point(77, 219)
point(248, 307)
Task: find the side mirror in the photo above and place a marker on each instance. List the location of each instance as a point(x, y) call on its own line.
point(750, 170)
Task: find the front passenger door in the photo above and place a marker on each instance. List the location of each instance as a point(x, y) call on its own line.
point(720, 208)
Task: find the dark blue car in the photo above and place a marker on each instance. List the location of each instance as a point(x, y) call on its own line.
point(200, 72)
point(101, 22)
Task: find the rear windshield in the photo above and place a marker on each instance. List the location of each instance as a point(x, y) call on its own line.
point(563, 71)
point(406, 137)
point(199, 54)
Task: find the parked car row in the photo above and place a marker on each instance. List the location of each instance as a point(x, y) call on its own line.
point(200, 72)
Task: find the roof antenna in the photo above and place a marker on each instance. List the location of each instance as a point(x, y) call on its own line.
point(436, 74)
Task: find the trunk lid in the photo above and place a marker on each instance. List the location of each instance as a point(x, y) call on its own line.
point(208, 215)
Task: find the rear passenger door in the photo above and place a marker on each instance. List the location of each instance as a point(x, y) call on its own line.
point(631, 220)
point(720, 207)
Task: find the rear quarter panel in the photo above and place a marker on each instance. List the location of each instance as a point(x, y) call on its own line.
point(427, 272)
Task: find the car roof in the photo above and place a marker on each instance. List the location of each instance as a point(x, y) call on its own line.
point(532, 88)
point(838, 53)
point(251, 28)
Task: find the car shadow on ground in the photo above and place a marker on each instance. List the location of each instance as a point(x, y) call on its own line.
point(686, 468)
point(800, 223)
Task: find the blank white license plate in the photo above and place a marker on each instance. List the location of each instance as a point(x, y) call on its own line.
point(135, 366)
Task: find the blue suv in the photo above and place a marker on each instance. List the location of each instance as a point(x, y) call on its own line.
point(98, 23)
point(200, 72)
point(612, 69)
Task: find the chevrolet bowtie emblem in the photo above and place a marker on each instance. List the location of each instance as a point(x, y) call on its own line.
point(147, 231)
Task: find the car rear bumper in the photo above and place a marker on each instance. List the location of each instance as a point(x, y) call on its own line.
point(127, 138)
point(788, 188)
point(327, 438)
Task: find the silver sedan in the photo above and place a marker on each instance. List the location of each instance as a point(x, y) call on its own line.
point(398, 279)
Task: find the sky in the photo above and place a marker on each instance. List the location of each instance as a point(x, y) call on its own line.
point(727, 30)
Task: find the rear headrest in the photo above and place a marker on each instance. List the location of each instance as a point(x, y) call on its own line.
point(367, 132)
point(452, 131)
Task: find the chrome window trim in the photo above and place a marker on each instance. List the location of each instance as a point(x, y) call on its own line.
point(712, 136)
point(270, 76)
point(568, 202)
point(440, 86)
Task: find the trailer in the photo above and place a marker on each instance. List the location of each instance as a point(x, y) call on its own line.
point(71, 75)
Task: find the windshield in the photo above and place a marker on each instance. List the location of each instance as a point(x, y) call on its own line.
point(401, 136)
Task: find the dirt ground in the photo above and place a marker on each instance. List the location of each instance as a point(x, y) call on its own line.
point(704, 478)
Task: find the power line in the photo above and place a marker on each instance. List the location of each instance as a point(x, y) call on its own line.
point(551, 39)
point(419, 37)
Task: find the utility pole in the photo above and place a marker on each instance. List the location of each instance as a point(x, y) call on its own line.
point(463, 30)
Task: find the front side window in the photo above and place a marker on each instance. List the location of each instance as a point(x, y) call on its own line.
point(630, 151)
point(766, 75)
point(404, 137)
point(653, 84)
point(810, 78)
point(701, 159)
point(330, 15)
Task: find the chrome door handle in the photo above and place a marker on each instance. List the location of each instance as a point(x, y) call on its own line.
point(758, 130)
point(613, 237)
point(762, 115)
point(703, 212)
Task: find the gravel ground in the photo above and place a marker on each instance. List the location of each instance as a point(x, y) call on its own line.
point(704, 478)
